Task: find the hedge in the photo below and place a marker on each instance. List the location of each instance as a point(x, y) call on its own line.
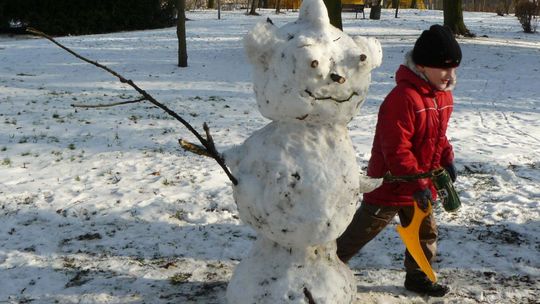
point(78, 17)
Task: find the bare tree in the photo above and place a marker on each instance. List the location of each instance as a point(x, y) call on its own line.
point(334, 12)
point(503, 8)
point(507, 4)
point(395, 4)
point(278, 6)
point(527, 12)
point(453, 17)
point(375, 12)
point(181, 33)
point(253, 8)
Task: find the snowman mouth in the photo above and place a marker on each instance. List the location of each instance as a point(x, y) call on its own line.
point(330, 97)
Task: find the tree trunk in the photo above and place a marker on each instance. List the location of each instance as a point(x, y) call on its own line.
point(507, 4)
point(211, 3)
point(278, 7)
point(253, 10)
point(453, 17)
point(413, 4)
point(181, 33)
point(219, 9)
point(375, 12)
point(334, 12)
point(396, 3)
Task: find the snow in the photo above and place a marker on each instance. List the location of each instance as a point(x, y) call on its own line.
point(276, 274)
point(102, 206)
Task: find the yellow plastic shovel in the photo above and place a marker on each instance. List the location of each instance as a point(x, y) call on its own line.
point(411, 237)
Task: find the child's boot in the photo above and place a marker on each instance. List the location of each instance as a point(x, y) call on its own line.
point(418, 282)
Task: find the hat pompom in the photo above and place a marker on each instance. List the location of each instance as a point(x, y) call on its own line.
point(437, 48)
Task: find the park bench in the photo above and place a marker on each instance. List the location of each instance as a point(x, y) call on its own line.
point(353, 7)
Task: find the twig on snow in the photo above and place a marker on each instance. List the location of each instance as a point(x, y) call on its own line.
point(107, 105)
point(207, 142)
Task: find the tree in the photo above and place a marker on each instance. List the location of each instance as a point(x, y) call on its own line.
point(503, 8)
point(211, 3)
point(453, 17)
point(395, 4)
point(334, 12)
point(181, 33)
point(527, 13)
point(253, 9)
point(375, 12)
point(278, 6)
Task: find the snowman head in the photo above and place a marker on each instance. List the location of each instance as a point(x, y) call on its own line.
point(309, 70)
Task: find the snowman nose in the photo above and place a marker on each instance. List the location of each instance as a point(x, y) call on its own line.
point(337, 78)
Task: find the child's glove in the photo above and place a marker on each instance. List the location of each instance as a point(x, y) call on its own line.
point(451, 169)
point(422, 198)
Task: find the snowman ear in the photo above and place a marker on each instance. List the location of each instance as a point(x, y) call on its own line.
point(373, 49)
point(260, 43)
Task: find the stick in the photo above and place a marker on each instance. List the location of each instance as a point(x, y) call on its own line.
point(107, 105)
point(309, 296)
point(207, 143)
point(193, 148)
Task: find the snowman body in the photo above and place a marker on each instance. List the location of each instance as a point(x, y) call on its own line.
point(298, 187)
point(298, 180)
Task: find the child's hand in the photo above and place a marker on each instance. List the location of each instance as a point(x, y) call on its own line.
point(451, 169)
point(422, 198)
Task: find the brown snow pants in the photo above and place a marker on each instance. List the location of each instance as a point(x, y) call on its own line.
point(369, 220)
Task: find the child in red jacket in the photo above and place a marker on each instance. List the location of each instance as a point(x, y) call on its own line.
point(410, 139)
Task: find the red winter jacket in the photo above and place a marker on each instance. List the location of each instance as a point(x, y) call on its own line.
point(410, 138)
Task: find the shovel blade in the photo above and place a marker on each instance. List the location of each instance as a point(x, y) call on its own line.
point(410, 236)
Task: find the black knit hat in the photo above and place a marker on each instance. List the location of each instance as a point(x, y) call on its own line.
point(437, 48)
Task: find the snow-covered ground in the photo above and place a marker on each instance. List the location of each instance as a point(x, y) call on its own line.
point(102, 206)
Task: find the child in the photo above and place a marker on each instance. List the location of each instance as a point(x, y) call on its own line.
point(410, 139)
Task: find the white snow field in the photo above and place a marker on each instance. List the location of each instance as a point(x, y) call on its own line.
point(103, 206)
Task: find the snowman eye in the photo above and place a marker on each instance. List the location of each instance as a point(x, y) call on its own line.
point(314, 64)
point(363, 57)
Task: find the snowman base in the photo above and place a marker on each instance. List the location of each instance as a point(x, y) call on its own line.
point(275, 274)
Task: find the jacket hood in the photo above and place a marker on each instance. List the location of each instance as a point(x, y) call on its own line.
point(408, 72)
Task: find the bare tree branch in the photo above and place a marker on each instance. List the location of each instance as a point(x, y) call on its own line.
point(207, 143)
point(107, 105)
point(209, 138)
point(193, 148)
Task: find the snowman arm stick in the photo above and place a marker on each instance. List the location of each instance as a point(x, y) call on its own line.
point(194, 148)
point(209, 138)
point(207, 143)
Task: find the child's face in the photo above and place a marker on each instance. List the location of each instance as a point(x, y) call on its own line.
point(439, 78)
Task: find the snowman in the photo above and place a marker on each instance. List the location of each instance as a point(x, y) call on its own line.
point(298, 180)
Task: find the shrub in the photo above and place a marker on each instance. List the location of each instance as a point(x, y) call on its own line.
point(527, 13)
point(77, 17)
